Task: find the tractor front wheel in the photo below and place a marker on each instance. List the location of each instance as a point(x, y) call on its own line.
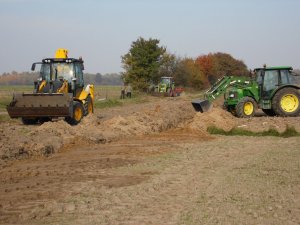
point(246, 107)
point(286, 102)
point(78, 112)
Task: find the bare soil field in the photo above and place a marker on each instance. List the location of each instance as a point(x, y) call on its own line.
point(150, 163)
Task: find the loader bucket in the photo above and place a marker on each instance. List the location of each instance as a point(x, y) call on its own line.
point(40, 105)
point(201, 105)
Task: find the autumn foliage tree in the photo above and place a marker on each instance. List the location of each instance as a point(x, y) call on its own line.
point(220, 64)
point(146, 62)
point(202, 72)
point(205, 63)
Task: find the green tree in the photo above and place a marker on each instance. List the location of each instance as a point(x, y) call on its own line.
point(188, 74)
point(142, 62)
point(168, 66)
point(181, 74)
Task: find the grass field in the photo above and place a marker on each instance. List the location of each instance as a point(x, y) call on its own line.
point(6, 93)
point(105, 96)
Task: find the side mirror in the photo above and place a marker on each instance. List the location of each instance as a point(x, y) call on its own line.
point(33, 67)
point(82, 66)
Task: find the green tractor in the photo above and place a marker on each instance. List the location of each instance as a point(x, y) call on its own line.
point(166, 87)
point(275, 90)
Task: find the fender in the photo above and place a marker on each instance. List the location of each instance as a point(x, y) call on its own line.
point(285, 86)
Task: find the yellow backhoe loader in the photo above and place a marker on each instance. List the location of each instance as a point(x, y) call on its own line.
point(58, 92)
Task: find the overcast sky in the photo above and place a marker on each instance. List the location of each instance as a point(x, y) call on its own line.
point(255, 31)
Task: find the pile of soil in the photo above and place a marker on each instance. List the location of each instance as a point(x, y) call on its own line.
point(48, 138)
point(222, 119)
point(216, 117)
point(262, 123)
point(18, 141)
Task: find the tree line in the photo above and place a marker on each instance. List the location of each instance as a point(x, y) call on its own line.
point(27, 78)
point(146, 62)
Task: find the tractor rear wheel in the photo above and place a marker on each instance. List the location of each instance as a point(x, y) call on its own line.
point(246, 107)
point(269, 112)
point(88, 106)
point(78, 112)
point(286, 102)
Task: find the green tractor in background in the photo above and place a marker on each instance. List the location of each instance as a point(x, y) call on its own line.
point(275, 90)
point(166, 87)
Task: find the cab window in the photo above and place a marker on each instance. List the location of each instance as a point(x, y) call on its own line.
point(284, 76)
point(79, 74)
point(45, 72)
point(259, 76)
point(270, 80)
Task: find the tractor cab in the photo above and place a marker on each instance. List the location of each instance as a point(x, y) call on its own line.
point(269, 79)
point(166, 80)
point(57, 73)
point(166, 84)
point(60, 74)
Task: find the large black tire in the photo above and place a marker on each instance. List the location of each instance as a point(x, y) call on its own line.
point(29, 121)
point(269, 112)
point(45, 119)
point(286, 102)
point(246, 107)
point(88, 106)
point(78, 112)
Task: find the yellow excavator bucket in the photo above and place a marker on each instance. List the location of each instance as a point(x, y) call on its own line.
point(61, 53)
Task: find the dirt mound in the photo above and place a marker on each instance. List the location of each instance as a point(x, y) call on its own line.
point(215, 117)
point(224, 120)
point(19, 141)
point(48, 138)
point(159, 117)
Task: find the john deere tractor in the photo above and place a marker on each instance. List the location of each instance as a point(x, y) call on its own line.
point(166, 87)
point(58, 92)
point(275, 90)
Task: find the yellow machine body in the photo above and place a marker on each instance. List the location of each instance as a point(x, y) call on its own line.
point(57, 93)
point(61, 53)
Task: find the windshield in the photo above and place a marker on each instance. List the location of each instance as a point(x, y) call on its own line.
point(55, 71)
point(165, 80)
point(45, 72)
point(62, 70)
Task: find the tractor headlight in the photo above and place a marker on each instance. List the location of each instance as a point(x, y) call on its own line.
point(233, 95)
